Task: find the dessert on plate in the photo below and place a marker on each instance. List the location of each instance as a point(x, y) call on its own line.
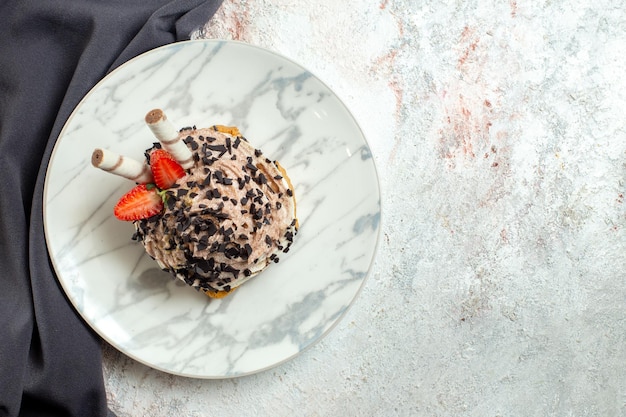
point(209, 207)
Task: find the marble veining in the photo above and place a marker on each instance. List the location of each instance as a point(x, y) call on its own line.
point(295, 119)
point(498, 289)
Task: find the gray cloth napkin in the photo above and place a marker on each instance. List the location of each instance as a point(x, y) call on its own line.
point(51, 53)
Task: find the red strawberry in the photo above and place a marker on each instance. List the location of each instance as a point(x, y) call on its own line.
point(165, 169)
point(139, 203)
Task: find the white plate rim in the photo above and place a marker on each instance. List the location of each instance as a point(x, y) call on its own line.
point(112, 342)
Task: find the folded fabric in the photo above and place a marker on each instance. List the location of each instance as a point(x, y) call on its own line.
point(51, 54)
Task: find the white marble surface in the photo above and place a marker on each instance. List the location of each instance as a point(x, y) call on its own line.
point(284, 111)
point(499, 286)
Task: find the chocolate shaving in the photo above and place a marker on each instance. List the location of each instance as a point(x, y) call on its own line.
point(218, 148)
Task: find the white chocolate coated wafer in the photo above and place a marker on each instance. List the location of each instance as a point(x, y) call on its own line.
point(169, 137)
point(121, 165)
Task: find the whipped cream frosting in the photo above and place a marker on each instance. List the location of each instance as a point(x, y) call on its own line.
point(231, 216)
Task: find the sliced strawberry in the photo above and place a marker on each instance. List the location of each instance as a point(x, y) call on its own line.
point(139, 203)
point(165, 169)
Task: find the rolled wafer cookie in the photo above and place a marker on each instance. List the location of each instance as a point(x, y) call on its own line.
point(167, 134)
point(121, 165)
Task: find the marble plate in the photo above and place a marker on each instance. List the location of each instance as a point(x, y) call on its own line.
point(282, 109)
